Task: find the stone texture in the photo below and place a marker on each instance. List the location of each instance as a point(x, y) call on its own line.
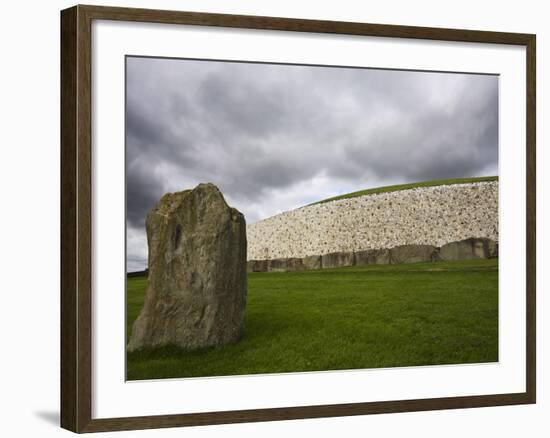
point(284, 265)
point(421, 216)
point(256, 266)
point(462, 250)
point(436, 256)
point(196, 294)
point(337, 260)
point(492, 247)
point(468, 249)
point(372, 257)
point(364, 258)
point(412, 254)
point(277, 265)
point(311, 262)
point(294, 264)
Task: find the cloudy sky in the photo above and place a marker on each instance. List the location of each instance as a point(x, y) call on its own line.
point(277, 137)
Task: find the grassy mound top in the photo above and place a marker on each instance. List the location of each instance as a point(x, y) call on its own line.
point(398, 187)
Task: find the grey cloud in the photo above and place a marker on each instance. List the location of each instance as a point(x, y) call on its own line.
point(276, 137)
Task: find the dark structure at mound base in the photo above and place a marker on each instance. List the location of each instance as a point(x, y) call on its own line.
point(468, 249)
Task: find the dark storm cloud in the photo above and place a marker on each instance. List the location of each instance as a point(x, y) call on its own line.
point(277, 137)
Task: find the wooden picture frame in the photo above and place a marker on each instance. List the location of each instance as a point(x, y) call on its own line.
point(76, 218)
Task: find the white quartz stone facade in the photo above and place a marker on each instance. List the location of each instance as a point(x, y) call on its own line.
point(431, 215)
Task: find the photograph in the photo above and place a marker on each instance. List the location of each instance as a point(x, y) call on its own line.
point(285, 218)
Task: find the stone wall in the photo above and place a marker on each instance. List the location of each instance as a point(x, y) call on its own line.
point(468, 249)
point(432, 216)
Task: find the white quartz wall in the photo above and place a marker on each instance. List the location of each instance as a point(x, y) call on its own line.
point(431, 215)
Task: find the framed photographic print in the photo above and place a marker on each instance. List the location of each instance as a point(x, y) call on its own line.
point(271, 218)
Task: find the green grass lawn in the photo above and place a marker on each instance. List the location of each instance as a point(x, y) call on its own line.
point(375, 316)
point(396, 188)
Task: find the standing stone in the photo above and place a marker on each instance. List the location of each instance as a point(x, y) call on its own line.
point(196, 294)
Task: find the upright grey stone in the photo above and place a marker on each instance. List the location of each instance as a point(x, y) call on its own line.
point(196, 294)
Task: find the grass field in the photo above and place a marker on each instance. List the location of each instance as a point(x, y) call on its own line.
point(396, 188)
point(375, 316)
